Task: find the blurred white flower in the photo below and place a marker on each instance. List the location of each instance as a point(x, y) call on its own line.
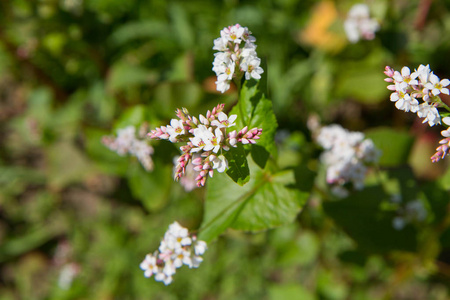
point(359, 25)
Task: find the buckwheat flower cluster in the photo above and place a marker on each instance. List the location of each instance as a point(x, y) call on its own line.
point(422, 84)
point(359, 25)
point(237, 56)
point(127, 143)
point(205, 137)
point(178, 248)
point(444, 144)
point(408, 88)
point(347, 157)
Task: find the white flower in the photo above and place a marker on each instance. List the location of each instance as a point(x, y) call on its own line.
point(359, 24)
point(220, 44)
point(223, 121)
point(200, 248)
point(437, 86)
point(223, 86)
point(149, 265)
point(220, 163)
point(175, 129)
point(234, 53)
point(175, 250)
point(423, 73)
point(406, 76)
point(346, 157)
point(213, 143)
point(201, 139)
point(446, 120)
point(430, 113)
point(126, 142)
point(251, 68)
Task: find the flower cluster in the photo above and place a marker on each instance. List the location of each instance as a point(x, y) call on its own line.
point(126, 142)
point(237, 56)
point(359, 25)
point(410, 212)
point(347, 157)
point(176, 249)
point(206, 138)
point(444, 144)
point(408, 87)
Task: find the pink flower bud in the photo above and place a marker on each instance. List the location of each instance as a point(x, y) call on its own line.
point(389, 71)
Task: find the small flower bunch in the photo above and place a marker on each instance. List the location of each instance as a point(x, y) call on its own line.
point(176, 249)
point(126, 142)
point(347, 157)
point(444, 144)
point(237, 56)
point(206, 138)
point(407, 87)
point(359, 25)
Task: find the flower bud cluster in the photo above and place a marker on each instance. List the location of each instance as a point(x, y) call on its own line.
point(178, 248)
point(347, 157)
point(408, 87)
point(237, 56)
point(444, 144)
point(359, 25)
point(205, 137)
point(127, 143)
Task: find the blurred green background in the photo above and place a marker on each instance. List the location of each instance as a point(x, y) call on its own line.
point(77, 219)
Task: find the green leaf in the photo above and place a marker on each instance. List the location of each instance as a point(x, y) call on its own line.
point(237, 165)
point(290, 291)
point(255, 110)
point(356, 78)
point(438, 198)
point(135, 115)
point(360, 216)
point(264, 202)
point(395, 145)
point(152, 188)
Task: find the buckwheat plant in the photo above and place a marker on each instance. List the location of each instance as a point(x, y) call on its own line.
point(207, 138)
point(127, 143)
point(408, 88)
point(178, 248)
point(359, 25)
point(237, 57)
point(347, 157)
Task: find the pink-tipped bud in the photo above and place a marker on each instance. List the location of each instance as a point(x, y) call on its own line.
point(243, 130)
point(389, 71)
point(197, 161)
point(244, 141)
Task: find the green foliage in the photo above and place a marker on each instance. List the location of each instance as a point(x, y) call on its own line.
point(266, 201)
point(361, 217)
point(72, 72)
point(387, 139)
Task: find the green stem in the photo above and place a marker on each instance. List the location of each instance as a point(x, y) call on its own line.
point(441, 103)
